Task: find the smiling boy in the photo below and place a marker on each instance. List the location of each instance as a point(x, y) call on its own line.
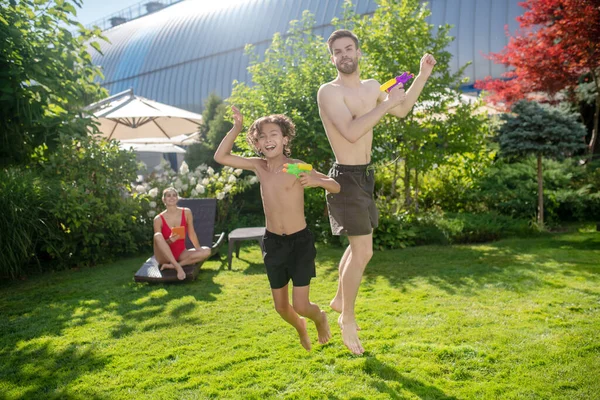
point(289, 250)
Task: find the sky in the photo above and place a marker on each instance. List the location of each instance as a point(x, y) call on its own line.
point(93, 10)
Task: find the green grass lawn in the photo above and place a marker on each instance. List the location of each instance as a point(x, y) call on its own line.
point(515, 319)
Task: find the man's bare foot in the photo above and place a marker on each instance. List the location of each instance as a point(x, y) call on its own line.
point(350, 338)
point(302, 332)
point(336, 304)
point(323, 328)
point(341, 325)
point(167, 266)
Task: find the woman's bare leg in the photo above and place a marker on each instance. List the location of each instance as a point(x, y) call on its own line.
point(164, 256)
point(193, 256)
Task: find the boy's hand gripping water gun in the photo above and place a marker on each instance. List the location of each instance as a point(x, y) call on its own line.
point(297, 169)
point(392, 83)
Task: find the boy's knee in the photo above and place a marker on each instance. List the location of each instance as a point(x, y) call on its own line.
point(281, 308)
point(301, 308)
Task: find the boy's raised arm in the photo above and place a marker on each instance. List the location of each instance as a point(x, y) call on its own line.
point(223, 154)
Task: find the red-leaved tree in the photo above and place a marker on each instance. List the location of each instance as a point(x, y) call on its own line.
point(557, 44)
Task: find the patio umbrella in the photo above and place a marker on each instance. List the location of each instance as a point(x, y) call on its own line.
point(152, 148)
point(127, 116)
point(180, 140)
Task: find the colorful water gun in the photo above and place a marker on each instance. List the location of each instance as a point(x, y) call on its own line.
point(297, 169)
point(389, 85)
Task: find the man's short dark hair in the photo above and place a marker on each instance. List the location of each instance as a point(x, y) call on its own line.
point(340, 33)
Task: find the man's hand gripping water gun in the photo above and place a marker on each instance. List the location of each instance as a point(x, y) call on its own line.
point(392, 83)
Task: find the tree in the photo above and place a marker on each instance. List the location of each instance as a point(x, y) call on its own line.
point(542, 132)
point(296, 64)
point(46, 75)
point(442, 123)
point(215, 126)
point(286, 81)
point(557, 47)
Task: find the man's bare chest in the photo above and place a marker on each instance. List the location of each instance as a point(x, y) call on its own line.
point(360, 103)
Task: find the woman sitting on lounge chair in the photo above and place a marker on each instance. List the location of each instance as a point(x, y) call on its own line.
point(170, 229)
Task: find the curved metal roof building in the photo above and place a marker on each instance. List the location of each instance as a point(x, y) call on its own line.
point(180, 54)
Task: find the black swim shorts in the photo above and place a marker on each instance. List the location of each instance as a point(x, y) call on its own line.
point(289, 257)
point(352, 211)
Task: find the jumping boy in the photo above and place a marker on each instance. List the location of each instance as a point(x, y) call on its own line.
point(289, 250)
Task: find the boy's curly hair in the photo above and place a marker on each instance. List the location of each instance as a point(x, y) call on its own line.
point(288, 129)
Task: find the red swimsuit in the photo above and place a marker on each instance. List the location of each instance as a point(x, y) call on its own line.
point(178, 246)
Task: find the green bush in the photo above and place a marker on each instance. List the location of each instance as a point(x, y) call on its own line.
point(202, 182)
point(23, 220)
point(399, 228)
point(89, 205)
point(394, 230)
point(454, 228)
point(486, 227)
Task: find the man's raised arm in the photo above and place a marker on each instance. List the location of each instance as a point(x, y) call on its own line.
point(412, 94)
point(334, 111)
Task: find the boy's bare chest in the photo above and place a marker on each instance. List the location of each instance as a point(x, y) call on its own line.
point(277, 184)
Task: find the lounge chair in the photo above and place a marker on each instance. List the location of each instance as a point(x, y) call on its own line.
point(204, 212)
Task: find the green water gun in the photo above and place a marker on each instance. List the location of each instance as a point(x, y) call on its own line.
point(297, 169)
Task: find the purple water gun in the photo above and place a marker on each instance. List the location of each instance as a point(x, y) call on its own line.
point(389, 85)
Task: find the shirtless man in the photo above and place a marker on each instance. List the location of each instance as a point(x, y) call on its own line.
point(289, 251)
point(350, 108)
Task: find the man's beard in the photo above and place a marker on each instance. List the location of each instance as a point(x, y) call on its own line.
point(347, 67)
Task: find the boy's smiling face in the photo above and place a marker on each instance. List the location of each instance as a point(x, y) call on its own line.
point(270, 140)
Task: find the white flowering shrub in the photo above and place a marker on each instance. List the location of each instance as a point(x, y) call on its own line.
point(203, 182)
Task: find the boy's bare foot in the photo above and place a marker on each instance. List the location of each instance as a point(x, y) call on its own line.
point(167, 266)
point(350, 336)
point(336, 304)
point(323, 328)
point(302, 332)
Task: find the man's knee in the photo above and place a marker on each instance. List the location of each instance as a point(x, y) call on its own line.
point(362, 255)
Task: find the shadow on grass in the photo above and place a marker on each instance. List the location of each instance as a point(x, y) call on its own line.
point(255, 269)
point(251, 267)
point(46, 305)
point(41, 371)
point(384, 374)
point(516, 265)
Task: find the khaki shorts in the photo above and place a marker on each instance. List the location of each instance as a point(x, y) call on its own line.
point(352, 211)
